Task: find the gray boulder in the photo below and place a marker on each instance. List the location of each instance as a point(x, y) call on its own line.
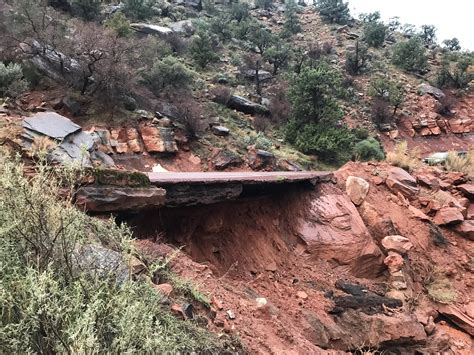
point(149, 29)
point(424, 89)
point(244, 105)
point(225, 159)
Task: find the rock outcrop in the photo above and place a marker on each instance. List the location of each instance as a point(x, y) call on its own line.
point(114, 198)
point(333, 230)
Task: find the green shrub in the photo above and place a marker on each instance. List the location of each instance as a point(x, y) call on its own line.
point(410, 55)
point(312, 94)
point(334, 11)
point(142, 9)
point(292, 23)
point(428, 34)
point(87, 9)
point(202, 49)
point(330, 143)
point(457, 75)
point(264, 4)
point(119, 24)
point(259, 141)
point(167, 72)
point(452, 44)
point(368, 149)
point(356, 61)
point(49, 304)
point(240, 11)
point(384, 89)
point(12, 83)
point(374, 33)
point(278, 56)
point(261, 37)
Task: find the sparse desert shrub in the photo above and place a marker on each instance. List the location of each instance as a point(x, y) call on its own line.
point(142, 9)
point(261, 38)
point(458, 75)
point(261, 123)
point(240, 11)
point(280, 107)
point(404, 158)
point(202, 49)
point(328, 47)
point(41, 146)
point(368, 149)
point(459, 163)
point(410, 55)
point(12, 82)
point(374, 33)
point(334, 11)
point(221, 94)
point(264, 4)
point(440, 288)
point(428, 34)
point(292, 23)
point(177, 44)
point(356, 61)
point(384, 90)
point(259, 141)
point(119, 24)
point(278, 56)
point(190, 114)
point(167, 72)
point(452, 44)
point(55, 301)
point(87, 9)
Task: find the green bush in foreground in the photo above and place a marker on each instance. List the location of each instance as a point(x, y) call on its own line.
point(51, 305)
point(368, 149)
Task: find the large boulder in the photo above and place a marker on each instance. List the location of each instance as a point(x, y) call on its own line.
point(333, 230)
point(357, 189)
point(114, 198)
point(458, 317)
point(244, 105)
point(150, 29)
point(251, 74)
point(398, 180)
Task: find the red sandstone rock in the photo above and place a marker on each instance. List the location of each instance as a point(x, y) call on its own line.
point(394, 262)
point(333, 230)
point(164, 289)
point(466, 229)
point(467, 190)
point(357, 189)
point(448, 215)
point(398, 180)
point(397, 243)
point(457, 316)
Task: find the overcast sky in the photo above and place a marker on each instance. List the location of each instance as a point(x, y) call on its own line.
point(453, 18)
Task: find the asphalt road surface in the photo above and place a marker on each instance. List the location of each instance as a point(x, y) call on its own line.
point(169, 178)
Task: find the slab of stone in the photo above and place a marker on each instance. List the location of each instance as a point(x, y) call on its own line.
point(51, 124)
point(113, 198)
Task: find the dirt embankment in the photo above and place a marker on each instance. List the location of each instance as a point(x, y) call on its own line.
point(306, 271)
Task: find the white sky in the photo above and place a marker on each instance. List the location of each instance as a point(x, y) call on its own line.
point(452, 18)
